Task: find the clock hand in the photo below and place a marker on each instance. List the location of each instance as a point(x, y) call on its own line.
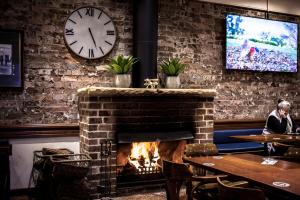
point(92, 37)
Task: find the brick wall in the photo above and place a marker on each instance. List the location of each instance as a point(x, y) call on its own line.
point(194, 32)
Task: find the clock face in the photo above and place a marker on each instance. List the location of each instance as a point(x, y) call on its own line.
point(90, 33)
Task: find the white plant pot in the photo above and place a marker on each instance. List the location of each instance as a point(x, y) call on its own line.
point(122, 80)
point(172, 82)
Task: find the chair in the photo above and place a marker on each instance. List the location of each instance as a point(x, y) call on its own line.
point(179, 174)
point(292, 154)
point(229, 192)
point(196, 150)
point(176, 175)
point(205, 182)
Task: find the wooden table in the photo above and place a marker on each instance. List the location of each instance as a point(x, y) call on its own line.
point(282, 138)
point(248, 167)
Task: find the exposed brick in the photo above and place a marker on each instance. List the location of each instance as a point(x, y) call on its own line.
point(208, 117)
point(209, 111)
point(200, 111)
point(208, 105)
point(206, 130)
point(94, 149)
point(201, 136)
point(91, 99)
point(92, 127)
point(92, 142)
point(91, 112)
point(96, 120)
point(104, 127)
point(98, 134)
point(200, 124)
point(93, 105)
point(104, 113)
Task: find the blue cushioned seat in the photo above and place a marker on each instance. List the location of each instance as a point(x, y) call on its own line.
point(225, 144)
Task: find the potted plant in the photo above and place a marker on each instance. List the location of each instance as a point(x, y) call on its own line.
point(121, 66)
point(172, 68)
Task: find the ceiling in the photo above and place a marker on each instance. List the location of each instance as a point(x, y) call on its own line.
point(291, 7)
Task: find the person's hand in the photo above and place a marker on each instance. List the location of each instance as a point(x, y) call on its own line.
point(298, 130)
point(282, 113)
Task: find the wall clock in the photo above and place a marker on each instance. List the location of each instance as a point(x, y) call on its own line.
point(90, 33)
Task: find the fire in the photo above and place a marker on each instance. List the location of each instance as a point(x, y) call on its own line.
point(144, 155)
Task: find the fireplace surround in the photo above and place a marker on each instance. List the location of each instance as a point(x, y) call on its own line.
point(121, 115)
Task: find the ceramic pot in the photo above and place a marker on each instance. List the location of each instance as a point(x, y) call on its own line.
point(122, 80)
point(172, 82)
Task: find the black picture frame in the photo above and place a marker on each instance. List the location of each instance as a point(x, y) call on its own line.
point(11, 60)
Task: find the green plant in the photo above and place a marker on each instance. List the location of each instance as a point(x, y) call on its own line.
point(121, 64)
point(172, 67)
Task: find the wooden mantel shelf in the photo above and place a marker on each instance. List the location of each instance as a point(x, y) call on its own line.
point(110, 91)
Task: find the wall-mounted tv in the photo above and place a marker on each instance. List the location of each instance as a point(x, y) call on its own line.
point(261, 44)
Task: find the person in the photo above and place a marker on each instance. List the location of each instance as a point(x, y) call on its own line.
point(279, 120)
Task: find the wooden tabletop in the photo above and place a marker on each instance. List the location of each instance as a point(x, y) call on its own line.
point(248, 167)
point(268, 138)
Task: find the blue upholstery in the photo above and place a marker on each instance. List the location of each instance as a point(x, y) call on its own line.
point(226, 144)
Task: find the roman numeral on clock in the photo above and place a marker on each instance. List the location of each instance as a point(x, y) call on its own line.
point(108, 43)
point(79, 14)
point(110, 32)
point(69, 31)
point(107, 22)
point(72, 21)
point(101, 50)
point(73, 43)
point(100, 15)
point(90, 12)
point(91, 53)
point(80, 50)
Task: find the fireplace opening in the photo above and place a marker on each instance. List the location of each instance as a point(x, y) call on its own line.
point(139, 163)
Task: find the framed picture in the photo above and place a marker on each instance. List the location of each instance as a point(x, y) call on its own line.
point(11, 60)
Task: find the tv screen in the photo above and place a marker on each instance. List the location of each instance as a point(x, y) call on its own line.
point(261, 44)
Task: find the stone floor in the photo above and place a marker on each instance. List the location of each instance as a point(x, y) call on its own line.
point(160, 195)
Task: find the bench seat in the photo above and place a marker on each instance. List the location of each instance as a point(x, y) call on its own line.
point(225, 144)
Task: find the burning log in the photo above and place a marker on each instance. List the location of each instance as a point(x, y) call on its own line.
point(129, 169)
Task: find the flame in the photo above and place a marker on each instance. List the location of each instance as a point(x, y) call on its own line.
point(144, 154)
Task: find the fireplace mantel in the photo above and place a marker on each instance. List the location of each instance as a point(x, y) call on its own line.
point(110, 92)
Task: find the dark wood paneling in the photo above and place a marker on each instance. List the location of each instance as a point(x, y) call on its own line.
point(39, 131)
point(239, 124)
point(72, 130)
point(242, 124)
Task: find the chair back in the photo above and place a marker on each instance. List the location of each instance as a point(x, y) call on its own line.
point(238, 193)
point(176, 175)
point(293, 153)
point(203, 149)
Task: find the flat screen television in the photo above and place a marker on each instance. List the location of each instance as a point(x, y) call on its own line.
point(261, 44)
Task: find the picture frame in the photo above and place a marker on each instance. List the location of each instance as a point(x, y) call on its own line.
point(11, 60)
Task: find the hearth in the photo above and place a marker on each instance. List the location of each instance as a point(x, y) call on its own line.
point(113, 120)
point(140, 154)
point(138, 164)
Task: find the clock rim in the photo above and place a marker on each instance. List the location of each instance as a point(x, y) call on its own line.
point(68, 46)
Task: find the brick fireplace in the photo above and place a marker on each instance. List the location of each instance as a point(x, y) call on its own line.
point(110, 117)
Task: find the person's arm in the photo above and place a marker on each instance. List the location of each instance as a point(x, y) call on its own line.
point(275, 125)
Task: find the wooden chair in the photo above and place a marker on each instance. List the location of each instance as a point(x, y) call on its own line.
point(229, 192)
point(196, 150)
point(179, 174)
point(176, 175)
point(205, 184)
